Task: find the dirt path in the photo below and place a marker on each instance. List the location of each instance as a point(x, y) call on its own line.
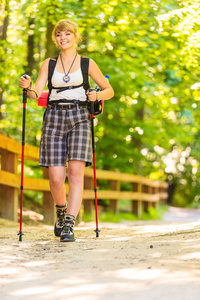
point(140, 261)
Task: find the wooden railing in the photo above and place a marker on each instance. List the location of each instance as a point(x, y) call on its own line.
point(145, 192)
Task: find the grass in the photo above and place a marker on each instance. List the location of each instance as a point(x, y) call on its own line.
point(108, 216)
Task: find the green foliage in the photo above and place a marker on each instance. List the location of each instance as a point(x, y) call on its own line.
point(108, 216)
point(150, 49)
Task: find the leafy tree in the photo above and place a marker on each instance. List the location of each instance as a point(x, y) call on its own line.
point(150, 49)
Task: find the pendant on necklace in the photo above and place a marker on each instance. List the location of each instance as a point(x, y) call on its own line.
point(66, 78)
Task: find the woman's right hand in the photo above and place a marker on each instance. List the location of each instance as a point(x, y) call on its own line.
point(25, 82)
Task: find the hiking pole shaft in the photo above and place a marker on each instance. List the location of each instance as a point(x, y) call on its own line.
point(94, 167)
point(22, 160)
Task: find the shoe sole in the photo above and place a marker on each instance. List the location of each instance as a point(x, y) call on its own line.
point(67, 240)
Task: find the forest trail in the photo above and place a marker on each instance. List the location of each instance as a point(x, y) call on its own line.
point(149, 260)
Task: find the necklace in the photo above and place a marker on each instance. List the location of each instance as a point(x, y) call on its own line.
point(66, 77)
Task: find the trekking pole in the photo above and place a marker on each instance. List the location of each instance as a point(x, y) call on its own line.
point(94, 165)
point(22, 158)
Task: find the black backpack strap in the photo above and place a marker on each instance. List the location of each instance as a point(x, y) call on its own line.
point(52, 65)
point(64, 88)
point(85, 70)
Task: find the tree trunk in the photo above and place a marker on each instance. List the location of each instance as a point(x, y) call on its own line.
point(6, 21)
point(171, 192)
point(50, 46)
point(3, 38)
point(30, 54)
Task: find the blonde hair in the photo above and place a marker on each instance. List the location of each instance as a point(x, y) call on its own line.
point(66, 25)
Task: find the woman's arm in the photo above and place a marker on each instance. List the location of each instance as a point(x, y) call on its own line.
point(36, 91)
point(106, 89)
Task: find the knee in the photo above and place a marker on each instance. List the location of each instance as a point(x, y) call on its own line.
point(56, 181)
point(57, 177)
point(75, 175)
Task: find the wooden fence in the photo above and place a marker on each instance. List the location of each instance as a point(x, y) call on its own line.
point(145, 192)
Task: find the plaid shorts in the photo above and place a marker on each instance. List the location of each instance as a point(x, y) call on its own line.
point(66, 135)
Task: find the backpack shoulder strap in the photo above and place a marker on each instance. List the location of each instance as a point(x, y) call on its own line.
point(52, 64)
point(84, 70)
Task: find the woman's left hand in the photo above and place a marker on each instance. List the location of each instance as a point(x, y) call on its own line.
point(92, 96)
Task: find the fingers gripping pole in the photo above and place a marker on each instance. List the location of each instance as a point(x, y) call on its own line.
point(22, 160)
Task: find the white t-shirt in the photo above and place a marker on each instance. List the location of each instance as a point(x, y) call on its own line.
point(76, 78)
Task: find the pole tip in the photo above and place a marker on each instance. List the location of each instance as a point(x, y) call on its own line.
point(97, 232)
point(20, 236)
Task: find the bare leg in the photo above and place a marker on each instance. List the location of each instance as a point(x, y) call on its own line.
point(75, 178)
point(57, 176)
point(65, 222)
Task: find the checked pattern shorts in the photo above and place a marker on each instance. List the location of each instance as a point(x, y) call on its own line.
point(66, 135)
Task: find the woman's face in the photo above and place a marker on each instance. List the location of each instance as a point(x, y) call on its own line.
point(65, 39)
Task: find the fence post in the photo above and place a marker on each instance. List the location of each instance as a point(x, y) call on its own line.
point(114, 186)
point(88, 203)
point(49, 210)
point(137, 204)
point(162, 190)
point(9, 195)
point(146, 190)
point(155, 190)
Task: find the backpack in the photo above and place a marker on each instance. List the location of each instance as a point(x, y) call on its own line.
point(44, 98)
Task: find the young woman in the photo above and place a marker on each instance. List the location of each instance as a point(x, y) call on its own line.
point(66, 132)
